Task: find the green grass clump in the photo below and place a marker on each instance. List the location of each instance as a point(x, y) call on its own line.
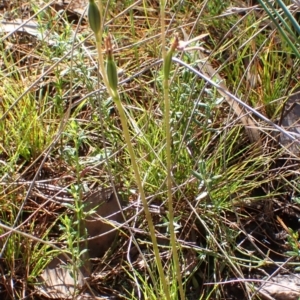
point(124, 107)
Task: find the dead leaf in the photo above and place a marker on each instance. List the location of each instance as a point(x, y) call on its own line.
point(250, 127)
point(283, 287)
point(58, 281)
point(99, 225)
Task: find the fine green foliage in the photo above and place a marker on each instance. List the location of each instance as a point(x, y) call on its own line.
point(147, 104)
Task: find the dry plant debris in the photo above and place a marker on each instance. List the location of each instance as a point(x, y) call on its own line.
point(228, 196)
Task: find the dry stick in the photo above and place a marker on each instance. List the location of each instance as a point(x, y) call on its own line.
point(250, 127)
point(50, 147)
point(232, 100)
point(228, 94)
point(36, 82)
point(4, 115)
point(249, 280)
point(232, 97)
point(27, 21)
point(53, 143)
point(32, 237)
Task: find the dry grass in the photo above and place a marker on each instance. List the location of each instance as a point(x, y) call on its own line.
point(231, 179)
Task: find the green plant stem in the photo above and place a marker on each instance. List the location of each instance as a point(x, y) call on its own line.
point(162, 29)
point(102, 67)
point(169, 186)
point(101, 63)
point(118, 103)
point(166, 72)
point(116, 98)
point(282, 32)
point(99, 51)
point(290, 16)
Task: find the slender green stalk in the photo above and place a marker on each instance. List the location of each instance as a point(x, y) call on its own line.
point(167, 61)
point(163, 29)
point(110, 80)
point(142, 193)
point(289, 15)
point(96, 23)
point(280, 29)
